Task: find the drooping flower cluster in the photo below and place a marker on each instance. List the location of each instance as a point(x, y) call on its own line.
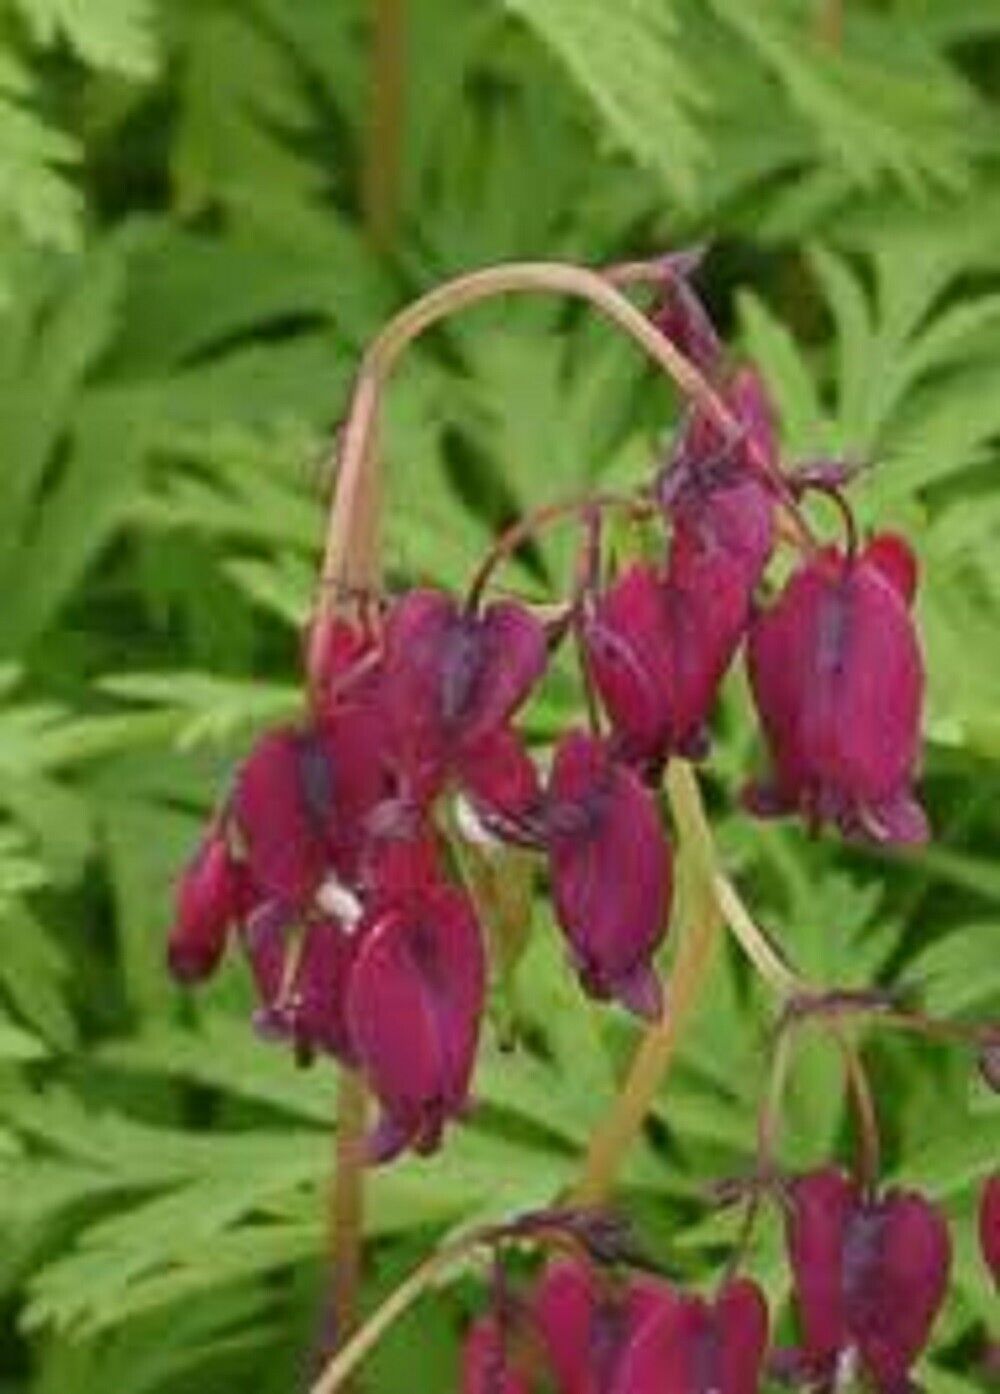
point(331, 857)
point(869, 1276)
point(328, 858)
point(345, 862)
point(583, 1332)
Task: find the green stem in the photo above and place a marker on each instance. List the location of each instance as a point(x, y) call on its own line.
point(342, 1365)
point(346, 1212)
point(355, 501)
point(384, 134)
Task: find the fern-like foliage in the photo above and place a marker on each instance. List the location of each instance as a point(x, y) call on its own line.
point(187, 287)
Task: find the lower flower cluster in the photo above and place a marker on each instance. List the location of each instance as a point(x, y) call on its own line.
point(869, 1274)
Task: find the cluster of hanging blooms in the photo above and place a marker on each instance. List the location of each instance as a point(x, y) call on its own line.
point(869, 1276)
point(338, 862)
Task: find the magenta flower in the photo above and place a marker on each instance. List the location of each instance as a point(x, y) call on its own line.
point(838, 681)
point(499, 778)
point(486, 1362)
point(450, 679)
point(301, 981)
point(691, 1346)
point(989, 1224)
point(658, 646)
point(720, 492)
point(588, 1327)
point(630, 653)
point(611, 872)
point(680, 315)
point(300, 804)
point(345, 665)
point(414, 1003)
point(210, 899)
point(870, 1275)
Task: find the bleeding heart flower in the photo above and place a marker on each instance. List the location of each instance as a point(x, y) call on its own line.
point(692, 1346)
point(451, 678)
point(838, 682)
point(588, 1326)
point(344, 661)
point(989, 1225)
point(210, 899)
point(870, 1275)
point(300, 804)
point(302, 980)
point(414, 1003)
point(658, 646)
point(611, 871)
point(629, 647)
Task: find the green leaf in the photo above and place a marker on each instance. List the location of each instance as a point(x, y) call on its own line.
point(625, 60)
point(115, 34)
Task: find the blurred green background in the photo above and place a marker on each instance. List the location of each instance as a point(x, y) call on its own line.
point(206, 209)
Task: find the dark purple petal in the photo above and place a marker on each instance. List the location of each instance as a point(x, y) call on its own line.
point(629, 649)
point(708, 605)
point(741, 1324)
point(500, 778)
point(312, 1013)
point(344, 661)
point(281, 806)
point(900, 1285)
point(838, 681)
point(347, 754)
point(870, 1275)
point(693, 1347)
point(821, 1207)
point(451, 678)
point(893, 557)
point(515, 653)
point(210, 898)
point(588, 1327)
point(610, 864)
point(718, 489)
point(564, 1304)
point(414, 1004)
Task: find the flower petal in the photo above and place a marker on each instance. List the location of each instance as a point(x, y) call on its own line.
point(610, 864)
point(414, 1004)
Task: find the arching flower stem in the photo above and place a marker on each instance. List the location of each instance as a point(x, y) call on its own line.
point(353, 526)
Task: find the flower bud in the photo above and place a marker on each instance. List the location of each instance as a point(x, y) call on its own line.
point(209, 901)
point(718, 491)
point(680, 315)
point(611, 872)
point(838, 681)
